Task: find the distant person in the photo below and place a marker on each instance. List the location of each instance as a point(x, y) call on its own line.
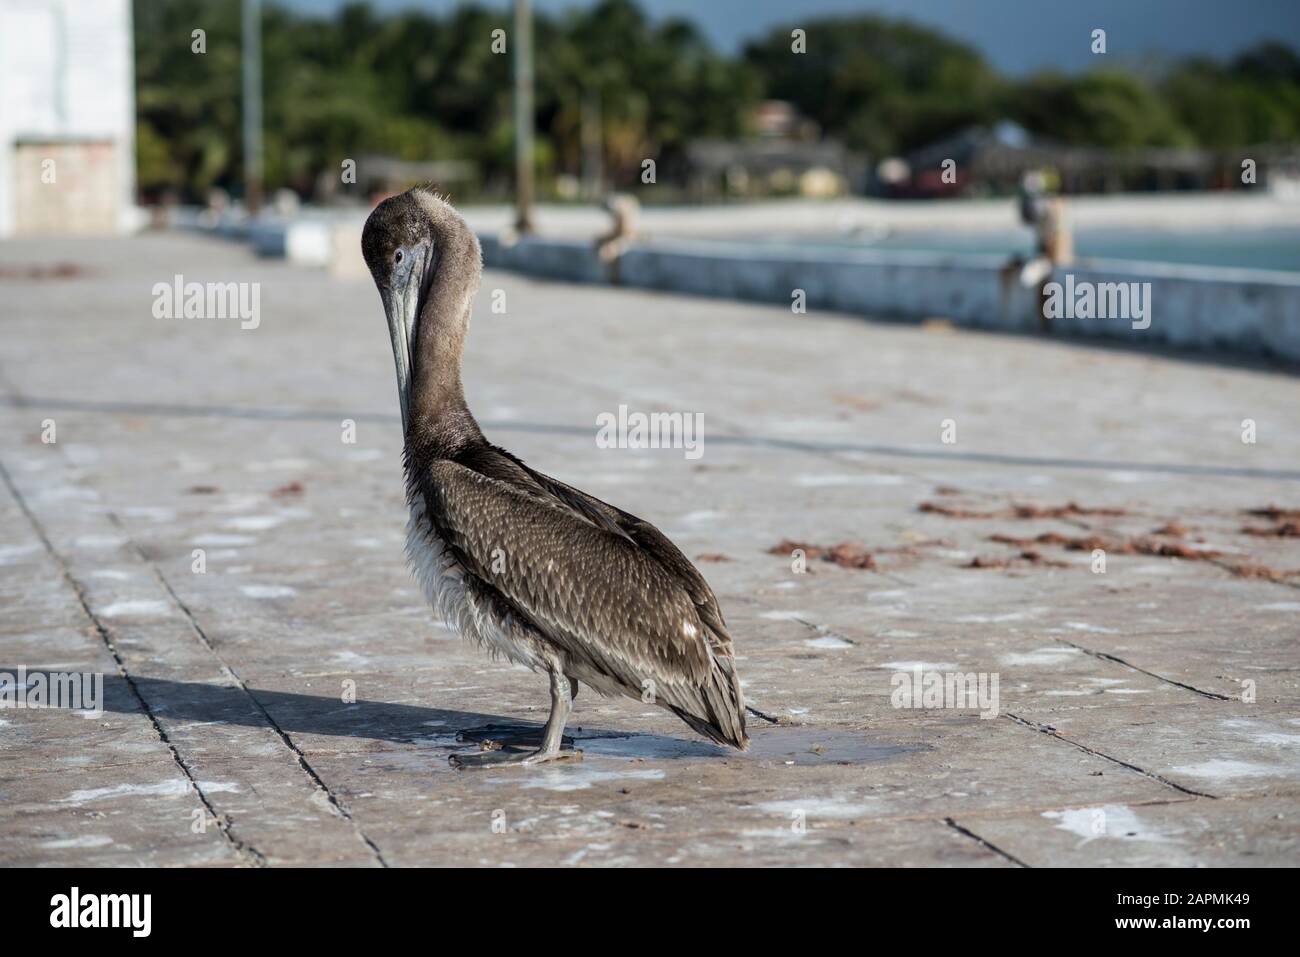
point(1053, 243)
point(624, 211)
point(1046, 215)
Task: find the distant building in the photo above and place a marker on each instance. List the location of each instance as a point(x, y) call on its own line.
point(720, 168)
point(980, 159)
point(782, 120)
point(993, 160)
point(1277, 168)
point(789, 158)
point(67, 117)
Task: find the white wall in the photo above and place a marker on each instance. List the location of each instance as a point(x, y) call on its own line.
point(67, 71)
point(1234, 310)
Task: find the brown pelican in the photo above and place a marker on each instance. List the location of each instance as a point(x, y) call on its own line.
point(534, 570)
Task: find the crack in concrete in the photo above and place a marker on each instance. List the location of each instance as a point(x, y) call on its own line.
point(243, 849)
point(335, 804)
point(1104, 656)
point(1052, 732)
point(19, 400)
point(987, 845)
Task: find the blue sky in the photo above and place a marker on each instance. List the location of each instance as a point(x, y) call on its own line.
point(1017, 36)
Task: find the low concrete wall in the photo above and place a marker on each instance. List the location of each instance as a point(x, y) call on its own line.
point(1235, 310)
point(564, 259)
point(1238, 310)
point(304, 241)
point(893, 286)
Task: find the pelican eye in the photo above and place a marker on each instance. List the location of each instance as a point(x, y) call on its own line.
point(397, 259)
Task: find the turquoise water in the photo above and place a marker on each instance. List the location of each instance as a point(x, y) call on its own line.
point(1266, 248)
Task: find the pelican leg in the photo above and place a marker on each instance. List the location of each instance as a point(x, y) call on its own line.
point(552, 738)
point(492, 736)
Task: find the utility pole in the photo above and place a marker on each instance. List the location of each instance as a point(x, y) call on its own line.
point(593, 161)
point(252, 71)
point(523, 44)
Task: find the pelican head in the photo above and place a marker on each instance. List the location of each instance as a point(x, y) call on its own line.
point(408, 241)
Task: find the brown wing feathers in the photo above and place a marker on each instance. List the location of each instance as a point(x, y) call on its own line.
point(610, 591)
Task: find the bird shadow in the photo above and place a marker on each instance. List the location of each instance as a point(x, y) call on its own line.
point(307, 714)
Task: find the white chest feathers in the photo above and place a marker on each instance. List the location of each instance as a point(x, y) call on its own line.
point(442, 579)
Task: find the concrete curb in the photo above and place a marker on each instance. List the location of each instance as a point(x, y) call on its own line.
point(1241, 311)
point(1237, 310)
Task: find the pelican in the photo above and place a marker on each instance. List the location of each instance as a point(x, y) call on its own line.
point(531, 569)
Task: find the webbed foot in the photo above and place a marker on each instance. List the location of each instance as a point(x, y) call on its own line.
point(501, 756)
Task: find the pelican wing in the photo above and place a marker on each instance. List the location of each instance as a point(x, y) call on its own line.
point(600, 594)
point(653, 543)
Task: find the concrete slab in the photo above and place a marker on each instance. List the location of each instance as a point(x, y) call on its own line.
point(293, 688)
point(1193, 833)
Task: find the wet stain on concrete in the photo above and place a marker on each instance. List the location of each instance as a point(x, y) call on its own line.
point(811, 747)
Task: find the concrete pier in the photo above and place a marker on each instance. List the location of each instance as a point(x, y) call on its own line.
point(873, 498)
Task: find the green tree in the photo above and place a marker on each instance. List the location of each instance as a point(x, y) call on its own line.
point(1103, 108)
point(884, 86)
point(418, 86)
